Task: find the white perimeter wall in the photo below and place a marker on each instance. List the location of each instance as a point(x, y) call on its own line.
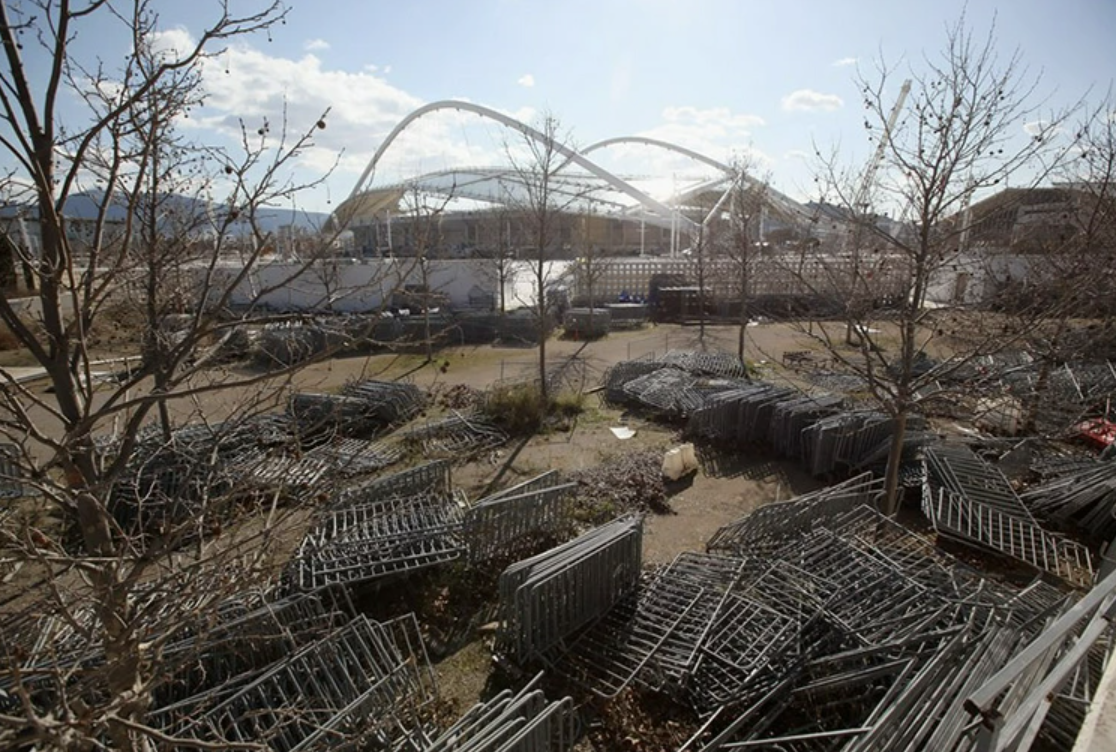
point(353, 286)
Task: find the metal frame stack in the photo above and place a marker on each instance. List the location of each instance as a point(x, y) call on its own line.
point(970, 501)
point(503, 523)
point(458, 435)
point(11, 473)
point(880, 638)
point(792, 417)
point(772, 525)
point(547, 598)
point(677, 384)
point(366, 680)
point(392, 526)
point(838, 629)
point(391, 402)
point(510, 722)
point(1083, 498)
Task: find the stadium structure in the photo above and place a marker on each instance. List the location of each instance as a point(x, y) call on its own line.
point(609, 212)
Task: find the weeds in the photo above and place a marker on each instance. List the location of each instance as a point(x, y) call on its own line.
point(520, 409)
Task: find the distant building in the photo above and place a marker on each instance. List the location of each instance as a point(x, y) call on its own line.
point(1021, 242)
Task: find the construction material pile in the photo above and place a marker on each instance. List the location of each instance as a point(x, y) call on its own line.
point(970, 501)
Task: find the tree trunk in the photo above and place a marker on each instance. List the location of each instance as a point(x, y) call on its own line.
point(740, 342)
point(894, 462)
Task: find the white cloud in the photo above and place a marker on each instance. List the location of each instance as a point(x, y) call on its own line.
point(798, 154)
point(844, 61)
point(526, 80)
point(313, 45)
point(247, 84)
point(176, 42)
point(808, 100)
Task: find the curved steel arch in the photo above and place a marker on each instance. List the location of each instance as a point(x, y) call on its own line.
point(571, 156)
point(662, 145)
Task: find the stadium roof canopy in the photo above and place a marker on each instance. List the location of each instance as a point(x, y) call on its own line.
point(578, 184)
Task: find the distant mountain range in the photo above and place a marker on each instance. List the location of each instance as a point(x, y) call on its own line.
point(87, 204)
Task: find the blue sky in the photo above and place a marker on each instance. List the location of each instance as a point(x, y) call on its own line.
point(767, 79)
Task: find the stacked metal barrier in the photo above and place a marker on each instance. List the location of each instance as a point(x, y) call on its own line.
point(1082, 497)
point(667, 390)
point(351, 457)
point(458, 436)
point(545, 599)
point(827, 626)
point(719, 364)
point(772, 525)
point(675, 385)
point(793, 416)
point(363, 408)
point(389, 401)
point(392, 526)
point(501, 524)
point(364, 682)
point(970, 501)
point(653, 636)
point(522, 721)
point(248, 631)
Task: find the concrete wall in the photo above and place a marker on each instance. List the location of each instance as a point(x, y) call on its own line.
point(351, 286)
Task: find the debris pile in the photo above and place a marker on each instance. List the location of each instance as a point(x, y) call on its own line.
point(632, 482)
point(456, 396)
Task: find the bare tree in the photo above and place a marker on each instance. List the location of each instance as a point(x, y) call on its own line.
point(423, 215)
point(117, 502)
point(745, 218)
point(542, 203)
point(962, 133)
point(497, 228)
point(593, 264)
